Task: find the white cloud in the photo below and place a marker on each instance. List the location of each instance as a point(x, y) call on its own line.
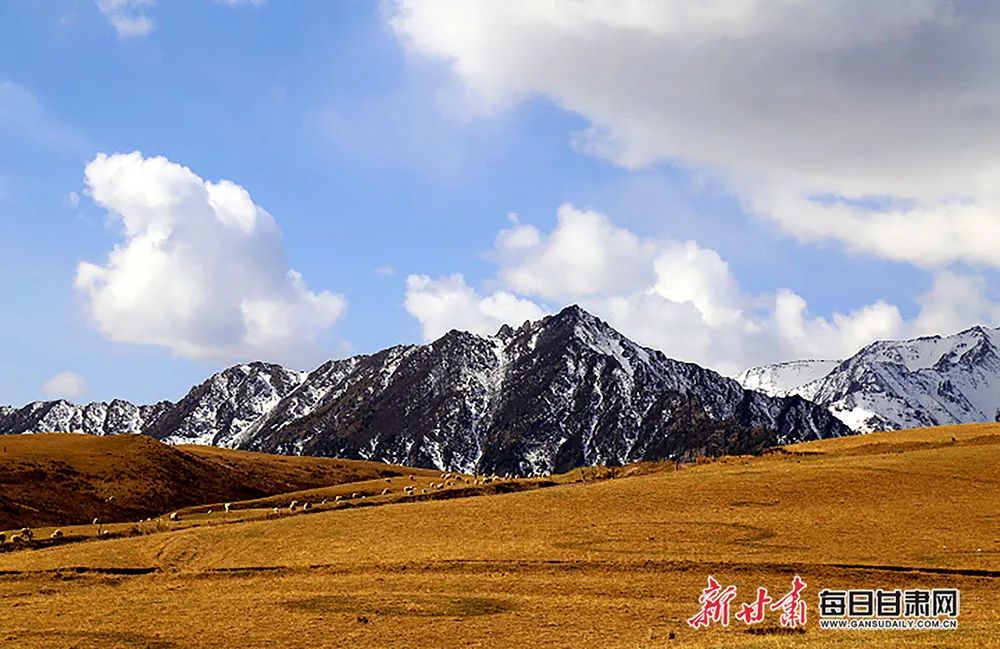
point(127, 16)
point(954, 302)
point(675, 296)
point(581, 257)
point(65, 385)
point(449, 303)
point(200, 268)
point(71, 200)
point(792, 103)
point(385, 271)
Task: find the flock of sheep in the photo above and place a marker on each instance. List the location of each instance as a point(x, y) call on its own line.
point(26, 535)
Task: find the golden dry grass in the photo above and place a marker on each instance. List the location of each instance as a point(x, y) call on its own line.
point(60, 479)
point(615, 563)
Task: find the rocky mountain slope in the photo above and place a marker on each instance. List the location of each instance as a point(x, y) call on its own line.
point(564, 391)
point(929, 381)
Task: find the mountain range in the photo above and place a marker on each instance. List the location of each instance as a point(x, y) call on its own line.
point(564, 391)
point(928, 381)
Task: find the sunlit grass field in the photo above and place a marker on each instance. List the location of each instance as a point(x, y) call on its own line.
point(605, 563)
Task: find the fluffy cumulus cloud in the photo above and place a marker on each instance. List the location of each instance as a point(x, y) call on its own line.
point(876, 125)
point(449, 303)
point(200, 269)
point(65, 385)
point(128, 17)
point(676, 296)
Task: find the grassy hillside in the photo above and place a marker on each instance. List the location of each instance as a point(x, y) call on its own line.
point(60, 479)
point(617, 563)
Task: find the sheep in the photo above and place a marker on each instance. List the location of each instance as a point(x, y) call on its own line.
point(97, 521)
point(174, 516)
point(274, 510)
point(228, 507)
point(306, 507)
point(57, 534)
point(386, 491)
point(209, 512)
point(325, 501)
point(412, 478)
point(389, 480)
point(354, 494)
point(293, 504)
point(423, 491)
point(27, 533)
point(17, 538)
point(338, 499)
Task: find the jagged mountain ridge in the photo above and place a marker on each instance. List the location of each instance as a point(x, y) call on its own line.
point(560, 392)
point(927, 381)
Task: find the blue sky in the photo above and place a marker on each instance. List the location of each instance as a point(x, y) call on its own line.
point(373, 150)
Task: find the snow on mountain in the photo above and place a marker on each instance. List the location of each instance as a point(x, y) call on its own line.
point(784, 379)
point(98, 418)
point(224, 408)
point(928, 381)
point(560, 392)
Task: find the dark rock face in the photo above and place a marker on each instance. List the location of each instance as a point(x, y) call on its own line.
point(562, 392)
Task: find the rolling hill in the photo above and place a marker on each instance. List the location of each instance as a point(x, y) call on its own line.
point(62, 479)
point(617, 562)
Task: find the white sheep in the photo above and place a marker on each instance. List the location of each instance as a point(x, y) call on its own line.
point(97, 521)
point(338, 499)
point(412, 478)
point(306, 507)
point(389, 480)
point(16, 539)
point(386, 491)
point(27, 533)
point(174, 516)
point(274, 510)
point(228, 507)
point(57, 534)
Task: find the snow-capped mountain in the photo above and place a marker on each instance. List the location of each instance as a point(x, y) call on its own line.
point(560, 392)
point(98, 418)
point(783, 379)
point(927, 381)
point(221, 410)
point(564, 391)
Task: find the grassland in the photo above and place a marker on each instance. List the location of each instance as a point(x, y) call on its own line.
point(610, 563)
point(63, 479)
